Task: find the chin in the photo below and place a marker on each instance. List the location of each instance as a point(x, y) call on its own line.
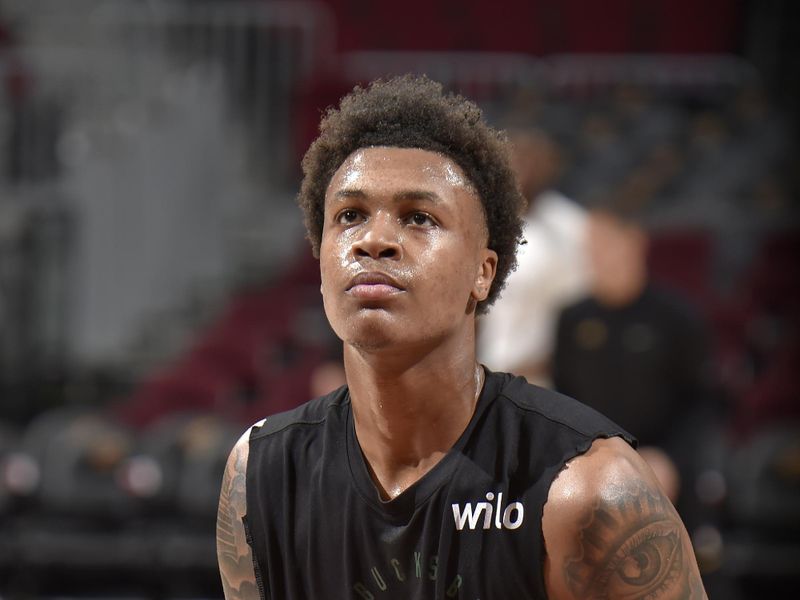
point(376, 331)
point(368, 329)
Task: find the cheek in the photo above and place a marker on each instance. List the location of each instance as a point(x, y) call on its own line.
point(333, 253)
point(331, 300)
point(451, 274)
point(324, 260)
point(328, 261)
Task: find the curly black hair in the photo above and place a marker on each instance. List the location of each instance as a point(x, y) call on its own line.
point(414, 112)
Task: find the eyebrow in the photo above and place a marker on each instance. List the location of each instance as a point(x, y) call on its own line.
point(399, 196)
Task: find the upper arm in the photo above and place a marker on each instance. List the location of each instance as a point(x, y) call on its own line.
point(610, 532)
point(233, 552)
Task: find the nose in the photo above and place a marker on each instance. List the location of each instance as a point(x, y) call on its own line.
point(379, 239)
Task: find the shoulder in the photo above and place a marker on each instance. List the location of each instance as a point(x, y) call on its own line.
point(294, 440)
point(611, 532)
point(233, 551)
point(314, 412)
point(672, 302)
point(236, 465)
point(581, 308)
point(234, 493)
point(610, 466)
point(558, 409)
point(674, 314)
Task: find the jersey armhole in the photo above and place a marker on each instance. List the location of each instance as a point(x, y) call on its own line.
point(256, 569)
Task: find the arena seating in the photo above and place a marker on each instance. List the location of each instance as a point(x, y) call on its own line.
point(117, 498)
point(88, 508)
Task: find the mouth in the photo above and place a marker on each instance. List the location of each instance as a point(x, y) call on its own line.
point(374, 286)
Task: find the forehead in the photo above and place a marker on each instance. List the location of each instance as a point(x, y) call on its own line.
point(388, 166)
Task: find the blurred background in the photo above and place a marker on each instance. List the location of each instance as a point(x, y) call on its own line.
point(157, 295)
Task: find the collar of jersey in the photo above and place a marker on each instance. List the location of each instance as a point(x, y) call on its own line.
point(401, 509)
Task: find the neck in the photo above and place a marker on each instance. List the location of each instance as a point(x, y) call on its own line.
point(410, 410)
point(622, 293)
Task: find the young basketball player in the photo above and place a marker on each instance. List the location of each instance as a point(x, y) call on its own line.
point(427, 476)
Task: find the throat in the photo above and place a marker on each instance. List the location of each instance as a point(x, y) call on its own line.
point(391, 483)
point(402, 440)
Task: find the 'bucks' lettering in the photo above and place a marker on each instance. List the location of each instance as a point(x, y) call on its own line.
point(396, 577)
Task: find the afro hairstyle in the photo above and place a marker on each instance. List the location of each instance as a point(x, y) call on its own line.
point(414, 112)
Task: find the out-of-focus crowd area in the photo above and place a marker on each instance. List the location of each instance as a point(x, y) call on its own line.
point(157, 295)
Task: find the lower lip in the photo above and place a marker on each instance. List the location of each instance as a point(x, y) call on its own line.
point(376, 291)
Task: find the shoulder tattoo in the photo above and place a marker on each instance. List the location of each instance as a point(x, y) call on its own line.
point(632, 546)
point(233, 551)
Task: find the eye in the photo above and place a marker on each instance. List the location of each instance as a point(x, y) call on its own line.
point(421, 219)
point(348, 216)
point(646, 565)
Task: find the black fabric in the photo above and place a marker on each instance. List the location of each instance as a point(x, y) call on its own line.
point(643, 365)
point(319, 529)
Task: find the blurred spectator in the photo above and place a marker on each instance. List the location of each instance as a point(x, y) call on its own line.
point(633, 351)
point(517, 333)
point(326, 377)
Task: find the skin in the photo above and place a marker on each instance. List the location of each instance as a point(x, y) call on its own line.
point(611, 532)
point(618, 258)
point(233, 552)
point(409, 355)
point(414, 215)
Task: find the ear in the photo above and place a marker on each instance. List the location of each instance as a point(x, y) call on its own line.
point(484, 275)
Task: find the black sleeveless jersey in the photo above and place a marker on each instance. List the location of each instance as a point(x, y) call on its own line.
point(469, 529)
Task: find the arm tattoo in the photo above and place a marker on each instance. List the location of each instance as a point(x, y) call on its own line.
point(233, 551)
point(632, 547)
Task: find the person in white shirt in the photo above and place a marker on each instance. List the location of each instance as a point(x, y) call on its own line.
point(518, 334)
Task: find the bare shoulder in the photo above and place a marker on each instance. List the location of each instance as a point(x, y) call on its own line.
point(233, 552)
point(610, 532)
